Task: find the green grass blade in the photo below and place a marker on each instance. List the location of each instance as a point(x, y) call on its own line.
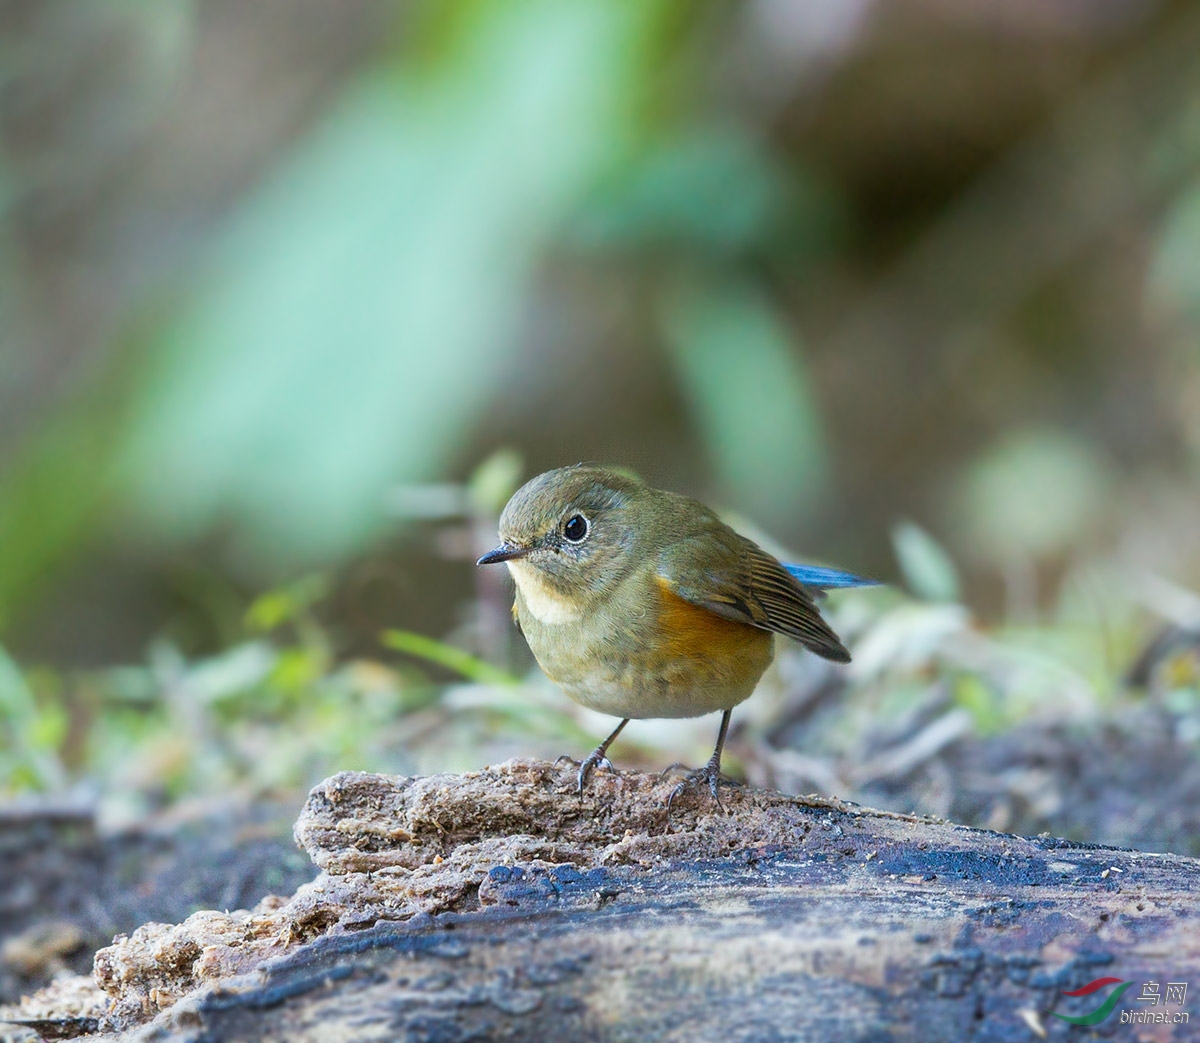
point(432, 651)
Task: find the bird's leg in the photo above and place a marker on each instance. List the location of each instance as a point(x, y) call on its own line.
point(598, 757)
point(710, 773)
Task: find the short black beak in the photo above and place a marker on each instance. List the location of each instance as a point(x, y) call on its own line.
point(505, 552)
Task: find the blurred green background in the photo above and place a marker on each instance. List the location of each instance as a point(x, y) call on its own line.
point(293, 295)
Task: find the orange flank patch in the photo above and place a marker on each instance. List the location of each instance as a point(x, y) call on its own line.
point(692, 633)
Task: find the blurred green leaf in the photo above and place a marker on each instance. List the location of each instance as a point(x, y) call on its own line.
point(26, 760)
point(228, 675)
point(361, 307)
point(52, 495)
point(1175, 277)
point(285, 604)
point(714, 189)
point(447, 656)
point(928, 569)
point(749, 391)
point(1032, 493)
point(984, 706)
point(298, 668)
point(495, 480)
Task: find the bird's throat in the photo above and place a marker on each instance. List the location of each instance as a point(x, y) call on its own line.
point(544, 603)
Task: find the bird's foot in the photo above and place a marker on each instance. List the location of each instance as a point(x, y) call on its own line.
point(595, 759)
point(710, 774)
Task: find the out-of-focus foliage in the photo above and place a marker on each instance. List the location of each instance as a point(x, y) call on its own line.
point(927, 568)
point(750, 395)
point(274, 279)
point(260, 272)
point(33, 732)
point(277, 710)
point(359, 309)
point(1030, 496)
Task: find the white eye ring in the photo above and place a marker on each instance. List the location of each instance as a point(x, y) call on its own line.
point(576, 529)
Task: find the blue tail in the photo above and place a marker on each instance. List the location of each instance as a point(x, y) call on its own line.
point(825, 579)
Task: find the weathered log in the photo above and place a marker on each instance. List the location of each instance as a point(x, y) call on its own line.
point(497, 905)
point(67, 887)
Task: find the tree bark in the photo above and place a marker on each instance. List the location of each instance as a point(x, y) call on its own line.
point(497, 905)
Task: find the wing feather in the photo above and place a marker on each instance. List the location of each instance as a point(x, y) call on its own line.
point(733, 577)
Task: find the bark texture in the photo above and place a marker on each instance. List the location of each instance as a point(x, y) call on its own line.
point(497, 905)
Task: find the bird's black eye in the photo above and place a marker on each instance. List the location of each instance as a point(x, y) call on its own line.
point(576, 529)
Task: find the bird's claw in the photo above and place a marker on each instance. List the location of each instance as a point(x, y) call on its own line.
point(710, 774)
point(595, 759)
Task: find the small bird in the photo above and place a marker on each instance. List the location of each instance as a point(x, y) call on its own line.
point(643, 603)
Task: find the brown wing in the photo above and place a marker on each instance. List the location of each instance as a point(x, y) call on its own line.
point(735, 578)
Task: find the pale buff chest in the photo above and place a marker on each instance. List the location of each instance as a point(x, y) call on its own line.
point(627, 663)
